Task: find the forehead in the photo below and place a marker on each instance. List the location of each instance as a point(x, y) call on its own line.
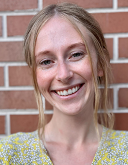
point(59, 31)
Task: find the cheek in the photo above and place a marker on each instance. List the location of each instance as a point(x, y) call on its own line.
point(86, 70)
point(43, 80)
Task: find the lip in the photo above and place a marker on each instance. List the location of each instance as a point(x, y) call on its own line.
point(69, 96)
point(66, 88)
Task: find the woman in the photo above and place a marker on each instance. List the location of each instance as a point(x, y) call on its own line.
point(66, 51)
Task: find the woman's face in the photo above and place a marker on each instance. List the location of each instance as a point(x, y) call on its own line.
point(64, 73)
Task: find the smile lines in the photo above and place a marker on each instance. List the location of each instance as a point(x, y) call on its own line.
point(69, 91)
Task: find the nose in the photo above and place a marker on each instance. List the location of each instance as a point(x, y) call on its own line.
point(64, 73)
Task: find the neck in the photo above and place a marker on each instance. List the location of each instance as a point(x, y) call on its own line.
point(71, 129)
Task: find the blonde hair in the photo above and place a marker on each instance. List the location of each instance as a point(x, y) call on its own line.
point(74, 14)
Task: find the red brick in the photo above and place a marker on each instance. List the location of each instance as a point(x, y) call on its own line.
point(0, 26)
point(113, 22)
point(123, 47)
point(1, 76)
point(123, 3)
point(11, 51)
point(2, 124)
point(109, 42)
point(17, 100)
point(48, 106)
point(84, 4)
point(19, 76)
point(17, 25)
point(23, 123)
point(123, 97)
point(121, 121)
point(17, 5)
point(110, 96)
point(120, 72)
point(48, 118)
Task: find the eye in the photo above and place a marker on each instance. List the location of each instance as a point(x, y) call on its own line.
point(46, 62)
point(77, 56)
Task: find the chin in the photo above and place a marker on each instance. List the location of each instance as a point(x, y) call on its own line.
point(70, 110)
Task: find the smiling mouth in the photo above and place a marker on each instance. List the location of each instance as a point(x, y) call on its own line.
point(69, 91)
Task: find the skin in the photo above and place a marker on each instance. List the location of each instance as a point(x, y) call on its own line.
point(62, 63)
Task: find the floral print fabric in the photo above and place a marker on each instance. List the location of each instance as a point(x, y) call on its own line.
point(113, 148)
point(24, 149)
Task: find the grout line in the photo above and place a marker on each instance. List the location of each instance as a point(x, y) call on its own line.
point(23, 112)
point(7, 124)
point(121, 111)
point(11, 39)
point(115, 48)
point(6, 76)
point(4, 27)
point(40, 4)
point(111, 35)
point(107, 10)
point(115, 111)
point(19, 13)
point(115, 4)
point(125, 60)
point(48, 112)
point(13, 63)
point(119, 85)
point(14, 88)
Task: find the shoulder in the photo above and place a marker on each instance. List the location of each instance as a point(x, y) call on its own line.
point(118, 137)
point(19, 139)
point(115, 138)
point(113, 148)
point(22, 148)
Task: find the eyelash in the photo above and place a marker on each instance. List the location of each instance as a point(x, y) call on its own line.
point(77, 55)
point(45, 61)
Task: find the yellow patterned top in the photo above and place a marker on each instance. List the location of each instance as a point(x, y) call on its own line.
point(24, 149)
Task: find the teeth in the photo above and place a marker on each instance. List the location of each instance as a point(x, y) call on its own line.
point(69, 92)
point(65, 92)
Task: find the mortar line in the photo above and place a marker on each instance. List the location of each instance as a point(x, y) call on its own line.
point(115, 4)
point(40, 4)
point(8, 124)
point(6, 76)
point(4, 27)
point(115, 48)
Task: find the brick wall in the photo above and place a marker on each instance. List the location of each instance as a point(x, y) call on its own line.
point(18, 110)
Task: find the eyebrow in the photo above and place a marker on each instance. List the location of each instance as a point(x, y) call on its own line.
point(68, 48)
point(75, 45)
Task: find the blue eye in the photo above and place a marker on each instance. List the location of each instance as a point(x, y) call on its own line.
point(45, 62)
point(77, 54)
